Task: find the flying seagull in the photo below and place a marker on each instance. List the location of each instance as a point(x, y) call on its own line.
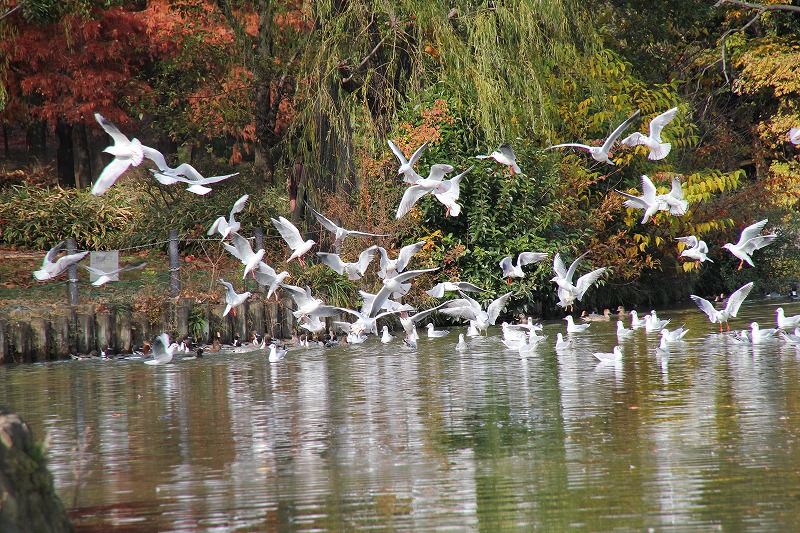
point(731, 308)
point(52, 267)
point(749, 241)
point(104, 277)
point(225, 226)
point(658, 149)
point(340, 234)
point(407, 165)
point(126, 152)
point(505, 156)
point(291, 235)
point(600, 153)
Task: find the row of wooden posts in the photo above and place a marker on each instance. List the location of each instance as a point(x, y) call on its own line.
point(31, 335)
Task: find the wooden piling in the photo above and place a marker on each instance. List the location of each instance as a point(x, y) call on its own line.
point(3, 340)
point(123, 329)
point(140, 329)
point(182, 312)
point(104, 329)
point(61, 324)
point(255, 316)
point(40, 339)
point(85, 340)
point(20, 340)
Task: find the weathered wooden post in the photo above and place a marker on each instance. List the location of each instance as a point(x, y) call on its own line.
point(72, 274)
point(174, 264)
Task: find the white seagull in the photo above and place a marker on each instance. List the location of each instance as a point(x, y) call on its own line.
point(786, 322)
point(434, 333)
point(224, 226)
point(653, 324)
point(674, 335)
point(562, 343)
point(266, 276)
point(696, 249)
point(567, 292)
point(652, 203)
point(392, 267)
point(658, 149)
point(162, 350)
point(232, 298)
point(731, 308)
point(438, 290)
point(240, 248)
point(409, 321)
point(636, 322)
point(505, 156)
point(407, 165)
point(794, 135)
point(622, 331)
point(183, 173)
point(291, 235)
point(461, 346)
point(469, 309)
point(511, 270)
point(422, 187)
point(104, 277)
point(276, 355)
point(749, 241)
point(307, 305)
point(758, 335)
point(449, 198)
point(340, 234)
point(52, 267)
point(126, 152)
point(386, 337)
point(600, 153)
point(355, 270)
point(572, 327)
point(615, 357)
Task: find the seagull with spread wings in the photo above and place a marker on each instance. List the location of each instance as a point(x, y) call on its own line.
point(391, 267)
point(232, 298)
point(568, 292)
point(291, 235)
point(731, 308)
point(421, 187)
point(407, 165)
point(126, 152)
point(52, 267)
point(600, 153)
point(469, 309)
point(510, 270)
point(240, 248)
point(340, 234)
point(750, 240)
point(104, 277)
point(658, 149)
point(505, 156)
point(355, 270)
point(695, 250)
point(225, 226)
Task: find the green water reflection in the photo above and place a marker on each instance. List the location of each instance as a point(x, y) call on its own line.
point(384, 437)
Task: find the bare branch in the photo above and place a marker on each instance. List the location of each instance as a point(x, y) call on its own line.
point(759, 7)
point(7, 13)
point(760, 10)
point(367, 58)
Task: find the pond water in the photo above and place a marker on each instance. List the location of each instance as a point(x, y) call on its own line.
point(377, 436)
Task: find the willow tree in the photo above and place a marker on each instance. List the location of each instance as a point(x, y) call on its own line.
point(503, 65)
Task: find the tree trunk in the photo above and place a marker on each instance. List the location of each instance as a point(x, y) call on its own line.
point(83, 161)
point(65, 157)
point(264, 164)
point(6, 150)
point(36, 138)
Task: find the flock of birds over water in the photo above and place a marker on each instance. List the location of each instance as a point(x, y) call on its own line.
point(312, 311)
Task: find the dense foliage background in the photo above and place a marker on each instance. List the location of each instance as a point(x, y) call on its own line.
point(300, 97)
